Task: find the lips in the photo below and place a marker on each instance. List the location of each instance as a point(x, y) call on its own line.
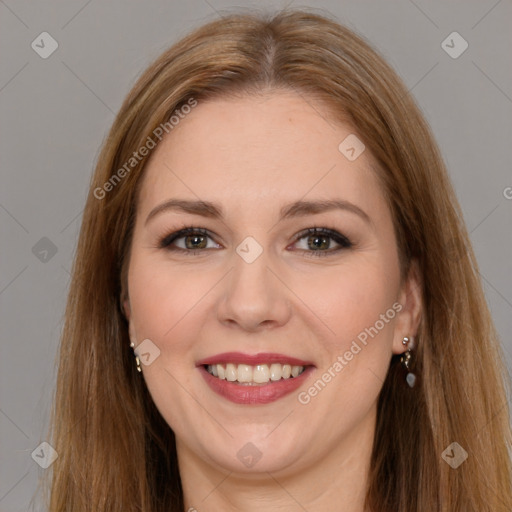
point(252, 360)
point(254, 394)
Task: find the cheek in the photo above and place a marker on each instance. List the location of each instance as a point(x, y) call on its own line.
point(359, 306)
point(356, 304)
point(166, 307)
point(170, 307)
point(165, 302)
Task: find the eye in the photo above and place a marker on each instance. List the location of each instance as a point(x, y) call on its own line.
point(318, 239)
point(194, 239)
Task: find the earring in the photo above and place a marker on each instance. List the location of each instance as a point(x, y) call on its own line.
point(137, 360)
point(407, 360)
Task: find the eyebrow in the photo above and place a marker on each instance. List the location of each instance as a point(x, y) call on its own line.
point(295, 209)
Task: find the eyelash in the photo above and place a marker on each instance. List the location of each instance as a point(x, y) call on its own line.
point(342, 240)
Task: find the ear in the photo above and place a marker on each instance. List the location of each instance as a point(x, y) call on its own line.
point(410, 298)
point(126, 309)
point(131, 329)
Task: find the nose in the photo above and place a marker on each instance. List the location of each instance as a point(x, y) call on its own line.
point(255, 296)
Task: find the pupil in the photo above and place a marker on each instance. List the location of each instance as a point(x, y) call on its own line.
point(195, 238)
point(316, 239)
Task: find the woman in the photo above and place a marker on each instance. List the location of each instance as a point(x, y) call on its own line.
point(271, 229)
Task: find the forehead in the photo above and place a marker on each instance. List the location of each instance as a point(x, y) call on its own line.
point(248, 151)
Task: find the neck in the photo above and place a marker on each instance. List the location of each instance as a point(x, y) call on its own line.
point(337, 480)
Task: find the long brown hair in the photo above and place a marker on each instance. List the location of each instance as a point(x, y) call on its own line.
point(116, 453)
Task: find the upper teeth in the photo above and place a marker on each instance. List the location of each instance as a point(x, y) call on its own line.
point(259, 374)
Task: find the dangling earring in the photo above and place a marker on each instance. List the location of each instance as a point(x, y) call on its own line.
point(137, 360)
point(407, 361)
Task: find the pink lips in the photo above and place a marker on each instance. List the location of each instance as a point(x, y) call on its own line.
point(261, 358)
point(261, 394)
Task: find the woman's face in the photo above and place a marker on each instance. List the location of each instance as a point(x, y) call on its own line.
point(255, 295)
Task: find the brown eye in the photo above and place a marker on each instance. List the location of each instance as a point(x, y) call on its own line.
point(196, 241)
point(193, 239)
point(318, 241)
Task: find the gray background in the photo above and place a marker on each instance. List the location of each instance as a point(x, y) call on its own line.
point(55, 113)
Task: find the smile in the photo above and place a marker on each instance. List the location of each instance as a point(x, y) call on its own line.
point(254, 378)
point(259, 374)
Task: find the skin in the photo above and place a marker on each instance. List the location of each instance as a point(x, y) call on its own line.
point(252, 155)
